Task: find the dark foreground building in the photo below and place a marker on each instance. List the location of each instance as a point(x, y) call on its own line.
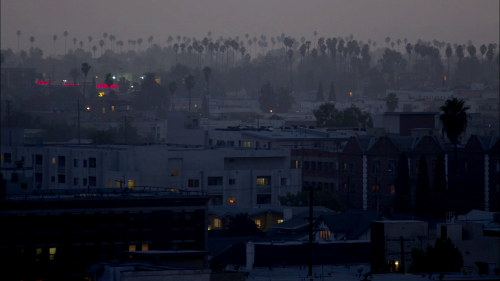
point(59, 236)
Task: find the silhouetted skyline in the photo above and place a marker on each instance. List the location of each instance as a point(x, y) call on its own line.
point(454, 21)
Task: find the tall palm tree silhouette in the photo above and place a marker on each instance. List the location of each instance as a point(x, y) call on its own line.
point(105, 35)
point(190, 82)
point(150, 40)
point(74, 44)
point(139, 42)
point(94, 48)
point(101, 44)
point(90, 40)
point(205, 107)
point(172, 86)
point(54, 38)
point(85, 70)
point(65, 34)
point(454, 120)
point(81, 44)
point(18, 34)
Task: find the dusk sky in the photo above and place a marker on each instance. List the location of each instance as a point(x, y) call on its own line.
point(454, 21)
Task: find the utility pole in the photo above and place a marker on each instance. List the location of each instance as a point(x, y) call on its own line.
point(8, 122)
point(78, 109)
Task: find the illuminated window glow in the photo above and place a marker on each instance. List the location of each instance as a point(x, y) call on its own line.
point(53, 160)
point(132, 248)
point(280, 221)
point(145, 247)
point(232, 200)
point(257, 222)
point(217, 222)
point(52, 253)
point(131, 184)
point(246, 144)
point(110, 183)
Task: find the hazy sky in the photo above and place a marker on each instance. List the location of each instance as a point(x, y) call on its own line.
point(454, 21)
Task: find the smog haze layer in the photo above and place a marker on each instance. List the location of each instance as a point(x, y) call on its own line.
point(452, 21)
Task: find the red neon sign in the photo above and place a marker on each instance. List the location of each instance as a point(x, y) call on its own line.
point(106, 86)
point(42, 82)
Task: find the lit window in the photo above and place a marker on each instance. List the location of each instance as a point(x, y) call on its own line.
point(375, 187)
point(145, 247)
point(217, 222)
point(296, 164)
point(132, 248)
point(174, 173)
point(246, 144)
point(112, 108)
point(128, 107)
point(391, 189)
point(131, 184)
point(38, 251)
point(118, 183)
point(324, 234)
point(232, 200)
point(257, 222)
point(280, 221)
point(52, 253)
point(110, 183)
point(101, 94)
point(103, 110)
point(53, 160)
point(263, 180)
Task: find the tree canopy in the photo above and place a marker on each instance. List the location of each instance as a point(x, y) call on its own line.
point(329, 116)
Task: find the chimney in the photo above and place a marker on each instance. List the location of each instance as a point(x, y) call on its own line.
point(250, 255)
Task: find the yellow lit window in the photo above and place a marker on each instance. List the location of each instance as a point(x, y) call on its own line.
point(246, 144)
point(118, 183)
point(324, 234)
point(174, 173)
point(145, 247)
point(128, 107)
point(103, 110)
point(132, 248)
point(52, 253)
point(263, 181)
point(232, 200)
point(257, 222)
point(101, 94)
point(280, 221)
point(296, 164)
point(112, 108)
point(38, 251)
point(217, 222)
point(110, 183)
point(131, 184)
point(53, 160)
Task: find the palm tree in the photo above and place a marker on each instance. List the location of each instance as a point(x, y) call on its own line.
point(54, 38)
point(18, 34)
point(32, 40)
point(85, 70)
point(454, 123)
point(94, 48)
point(489, 55)
point(150, 40)
point(205, 108)
point(387, 40)
point(315, 33)
point(190, 83)
point(139, 42)
point(105, 35)
point(398, 42)
point(101, 44)
point(482, 49)
point(90, 40)
point(409, 48)
point(74, 44)
point(289, 54)
point(391, 102)
point(65, 34)
point(172, 86)
point(81, 44)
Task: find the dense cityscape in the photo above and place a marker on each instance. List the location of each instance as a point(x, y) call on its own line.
point(256, 156)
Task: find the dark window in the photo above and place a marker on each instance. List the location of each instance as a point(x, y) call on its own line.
point(320, 166)
point(210, 141)
point(232, 181)
point(7, 158)
point(284, 181)
point(264, 199)
point(193, 183)
point(92, 181)
point(61, 161)
point(344, 168)
point(417, 165)
point(38, 159)
point(332, 167)
point(75, 163)
point(85, 163)
point(187, 216)
point(84, 181)
point(216, 200)
point(24, 186)
point(92, 162)
point(391, 167)
point(53, 179)
point(376, 167)
point(214, 181)
point(38, 177)
point(61, 179)
point(313, 166)
point(75, 181)
point(175, 216)
point(353, 170)
point(14, 177)
point(306, 165)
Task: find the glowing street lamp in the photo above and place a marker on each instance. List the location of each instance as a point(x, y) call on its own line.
point(350, 95)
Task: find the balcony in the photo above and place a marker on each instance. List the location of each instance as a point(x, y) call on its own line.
point(38, 168)
point(215, 189)
point(61, 169)
point(263, 189)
